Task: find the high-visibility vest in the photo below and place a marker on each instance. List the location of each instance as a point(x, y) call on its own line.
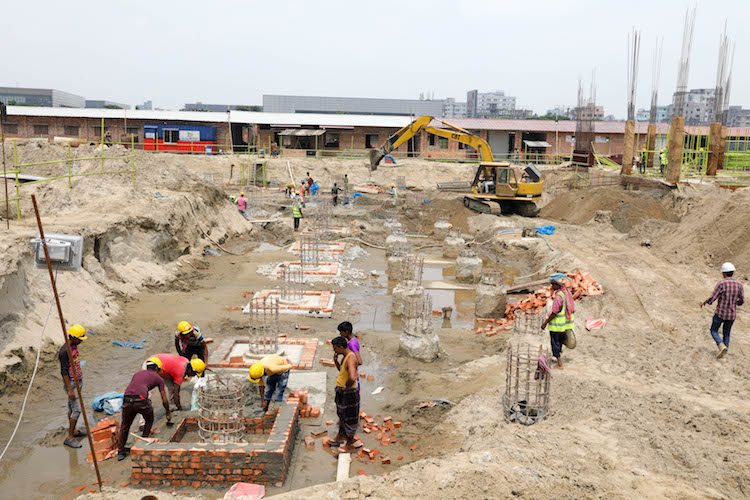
point(296, 211)
point(560, 323)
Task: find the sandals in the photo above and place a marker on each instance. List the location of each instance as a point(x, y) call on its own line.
point(72, 443)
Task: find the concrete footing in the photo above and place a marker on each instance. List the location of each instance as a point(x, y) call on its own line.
point(394, 266)
point(452, 246)
point(490, 301)
point(441, 229)
point(468, 268)
point(423, 344)
point(395, 243)
point(401, 293)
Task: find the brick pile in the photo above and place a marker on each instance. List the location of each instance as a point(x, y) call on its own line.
point(105, 440)
point(200, 465)
point(305, 410)
point(581, 285)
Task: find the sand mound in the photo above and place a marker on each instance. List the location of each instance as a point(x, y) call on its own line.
point(627, 210)
point(713, 231)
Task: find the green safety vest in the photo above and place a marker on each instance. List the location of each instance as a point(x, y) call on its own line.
point(560, 323)
point(296, 211)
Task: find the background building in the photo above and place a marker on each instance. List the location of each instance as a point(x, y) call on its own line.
point(351, 105)
point(699, 106)
point(453, 109)
point(147, 105)
point(219, 108)
point(21, 96)
point(738, 117)
point(489, 104)
point(99, 104)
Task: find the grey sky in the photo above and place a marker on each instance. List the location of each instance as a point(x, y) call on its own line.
point(234, 51)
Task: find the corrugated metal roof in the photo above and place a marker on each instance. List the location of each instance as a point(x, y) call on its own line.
point(323, 120)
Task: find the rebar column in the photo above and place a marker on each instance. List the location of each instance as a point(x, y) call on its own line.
point(527, 385)
point(292, 280)
point(264, 326)
point(220, 418)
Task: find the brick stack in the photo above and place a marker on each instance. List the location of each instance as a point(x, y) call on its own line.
point(105, 440)
point(208, 465)
point(305, 410)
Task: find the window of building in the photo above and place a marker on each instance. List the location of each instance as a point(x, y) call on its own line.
point(442, 143)
point(98, 131)
point(10, 128)
point(136, 131)
point(41, 130)
point(371, 140)
point(71, 130)
point(171, 135)
point(431, 140)
point(332, 139)
point(601, 139)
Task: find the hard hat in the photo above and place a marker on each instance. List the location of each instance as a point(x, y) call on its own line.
point(727, 267)
point(154, 360)
point(183, 328)
point(256, 372)
point(77, 331)
point(242, 193)
point(198, 366)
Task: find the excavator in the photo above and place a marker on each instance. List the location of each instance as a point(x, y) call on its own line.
point(493, 182)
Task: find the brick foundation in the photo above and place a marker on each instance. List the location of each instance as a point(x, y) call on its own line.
point(224, 349)
point(200, 465)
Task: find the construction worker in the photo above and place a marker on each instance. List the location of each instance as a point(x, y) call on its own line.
point(289, 189)
point(346, 397)
point(335, 194)
point(729, 294)
point(296, 212)
point(275, 369)
point(175, 369)
point(560, 319)
point(242, 204)
point(310, 183)
point(346, 330)
point(72, 376)
point(663, 160)
point(137, 402)
point(189, 341)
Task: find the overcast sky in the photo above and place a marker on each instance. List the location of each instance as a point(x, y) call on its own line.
point(234, 51)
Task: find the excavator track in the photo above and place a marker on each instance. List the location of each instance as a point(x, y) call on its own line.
point(478, 205)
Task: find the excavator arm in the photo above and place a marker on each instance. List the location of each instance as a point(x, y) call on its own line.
point(423, 124)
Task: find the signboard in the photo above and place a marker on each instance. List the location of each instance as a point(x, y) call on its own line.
point(190, 135)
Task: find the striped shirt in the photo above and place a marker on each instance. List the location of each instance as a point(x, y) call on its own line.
point(729, 294)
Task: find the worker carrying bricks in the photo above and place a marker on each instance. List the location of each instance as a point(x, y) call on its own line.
point(137, 402)
point(728, 294)
point(72, 376)
point(346, 397)
point(175, 369)
point(189, 342)
point(271, 374)
point(560, 320)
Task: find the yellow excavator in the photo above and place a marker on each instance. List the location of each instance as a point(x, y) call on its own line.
point(493, 182)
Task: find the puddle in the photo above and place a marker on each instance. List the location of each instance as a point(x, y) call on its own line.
point(267, 247)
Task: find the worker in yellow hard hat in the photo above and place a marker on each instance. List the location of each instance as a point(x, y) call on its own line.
point(136, 401)
point(72, 375)
point(275, 369)
point(175, 369)
point(189, 341)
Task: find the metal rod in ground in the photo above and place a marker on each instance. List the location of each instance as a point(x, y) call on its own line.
point(5, 172)
point(66, 339)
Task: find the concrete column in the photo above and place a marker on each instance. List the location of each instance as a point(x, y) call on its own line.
point(715, 148)
point(628, 148)
point(674, 151)
point(518, 143)
point(650, 144)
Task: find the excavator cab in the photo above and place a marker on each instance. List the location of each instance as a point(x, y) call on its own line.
point(498, 182)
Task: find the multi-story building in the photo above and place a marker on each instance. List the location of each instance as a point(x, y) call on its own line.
point(698, 105)
point(453, 109)
point(99, 104)
point(663, 114)
point(489, 104)
point(351, 105)
point(147, 106)
point(21, 96)
point(738, 117)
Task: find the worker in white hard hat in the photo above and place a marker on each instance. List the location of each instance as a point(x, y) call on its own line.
point(728, 294)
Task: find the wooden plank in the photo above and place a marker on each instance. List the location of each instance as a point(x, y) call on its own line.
point(342, 471)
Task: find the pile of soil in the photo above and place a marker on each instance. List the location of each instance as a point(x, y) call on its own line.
point(627, 209)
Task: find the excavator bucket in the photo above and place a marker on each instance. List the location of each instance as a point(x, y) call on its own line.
point(375, 156)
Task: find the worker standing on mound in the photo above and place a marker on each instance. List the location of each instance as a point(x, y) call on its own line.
point(136, 402)
point(275, 369)
point(729, 294)
point(72, 376)
point(560, 319)
point(189, 342)
point(175, 369)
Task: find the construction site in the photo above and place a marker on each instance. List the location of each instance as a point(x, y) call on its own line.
point(449, 270)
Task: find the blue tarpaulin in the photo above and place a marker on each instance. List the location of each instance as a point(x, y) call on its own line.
point(132, 345)
point(545, 229)
point(110, 402)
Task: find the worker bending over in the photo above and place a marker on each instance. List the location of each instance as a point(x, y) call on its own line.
point(72, 375)
point(137, 402)
point(560, 319)
point(175, 369)
point(275, 369)
point(728, 294)
point(189, 342)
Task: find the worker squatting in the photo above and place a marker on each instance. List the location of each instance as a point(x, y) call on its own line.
point(166, 372)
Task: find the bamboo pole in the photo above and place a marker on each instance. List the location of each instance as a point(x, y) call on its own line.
point(66, 338)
